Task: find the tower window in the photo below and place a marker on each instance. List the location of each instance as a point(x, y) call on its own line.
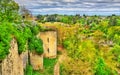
point(48, 50)
point(23, 17)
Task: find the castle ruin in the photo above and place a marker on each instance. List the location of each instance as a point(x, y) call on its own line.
point(49, 39)
point(15, 63)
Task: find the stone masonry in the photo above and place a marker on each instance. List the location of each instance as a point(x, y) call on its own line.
point(12, 65)
point(49, 39)
point(36, 61)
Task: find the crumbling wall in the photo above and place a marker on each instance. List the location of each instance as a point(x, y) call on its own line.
point(49, 39)
point(36, 61)
point(12, 64)
point(24, 58)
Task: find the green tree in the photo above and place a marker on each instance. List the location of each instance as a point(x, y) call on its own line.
point(8, 10)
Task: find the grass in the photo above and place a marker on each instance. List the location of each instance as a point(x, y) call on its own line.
point(49, 66)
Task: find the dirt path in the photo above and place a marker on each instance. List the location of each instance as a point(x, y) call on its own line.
point(62, 57)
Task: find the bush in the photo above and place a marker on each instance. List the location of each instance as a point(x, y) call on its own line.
point(101, 68)
point(5, 38)
point(35, 30)
point(66, 43)
point(35, 44)
point(116, 52)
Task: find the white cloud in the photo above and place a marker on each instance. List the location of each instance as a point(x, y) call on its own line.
point(46, 6)
point(70, 0)
point(76, 9)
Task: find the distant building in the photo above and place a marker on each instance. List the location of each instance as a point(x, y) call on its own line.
point(26, 14)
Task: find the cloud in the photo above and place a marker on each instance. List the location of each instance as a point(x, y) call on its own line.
point(70, 6)
point(69, 0)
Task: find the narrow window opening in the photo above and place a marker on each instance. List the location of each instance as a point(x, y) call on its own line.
point(23, 17)
point(48, 50)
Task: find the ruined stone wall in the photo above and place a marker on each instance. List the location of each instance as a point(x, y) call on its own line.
point(49, 39)
point(12, 64)
point(36, 61)
point(24, 58)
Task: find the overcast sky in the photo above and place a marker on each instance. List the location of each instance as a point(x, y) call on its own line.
point(90, 7)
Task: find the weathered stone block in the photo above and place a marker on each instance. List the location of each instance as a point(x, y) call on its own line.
point(36, 61)
point(12, 64)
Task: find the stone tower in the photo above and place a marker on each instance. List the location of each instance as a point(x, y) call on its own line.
point(49, 39)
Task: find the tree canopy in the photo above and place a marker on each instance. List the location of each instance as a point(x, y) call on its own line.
point(8, 10)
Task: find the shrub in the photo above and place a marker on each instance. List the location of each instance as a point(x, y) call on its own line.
point(35, 44)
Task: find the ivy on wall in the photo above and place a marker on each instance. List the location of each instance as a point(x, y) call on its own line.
point(22, 34)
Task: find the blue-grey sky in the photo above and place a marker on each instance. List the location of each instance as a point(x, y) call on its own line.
point(89, 7)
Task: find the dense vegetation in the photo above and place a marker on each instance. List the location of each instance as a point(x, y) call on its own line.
point(92, 45)
point(82, 19)
point(92, 42)
point(12, 26)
